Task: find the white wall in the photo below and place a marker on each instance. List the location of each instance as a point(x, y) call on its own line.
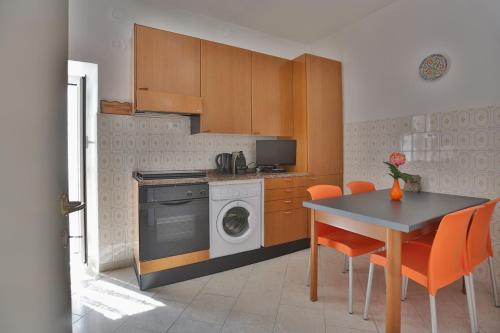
point(100, 31)
point(381, 55)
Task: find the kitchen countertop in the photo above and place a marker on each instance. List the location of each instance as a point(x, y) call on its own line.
point(213, 176)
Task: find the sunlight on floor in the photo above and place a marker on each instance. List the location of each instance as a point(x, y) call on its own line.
point(115, 302)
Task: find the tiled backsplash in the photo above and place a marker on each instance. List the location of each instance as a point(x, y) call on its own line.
point(455, 152)
point(147, 142)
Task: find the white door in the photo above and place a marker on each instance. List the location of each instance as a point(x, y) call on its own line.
point(34, 273)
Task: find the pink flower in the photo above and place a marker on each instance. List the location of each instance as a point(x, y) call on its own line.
point(397, 158)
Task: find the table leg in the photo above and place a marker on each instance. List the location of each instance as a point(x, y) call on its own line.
point(393, 282)
point(313, 288)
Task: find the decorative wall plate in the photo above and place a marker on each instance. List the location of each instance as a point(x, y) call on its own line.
point(433, 67)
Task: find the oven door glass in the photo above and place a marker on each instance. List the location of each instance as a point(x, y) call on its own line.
point(172, 228)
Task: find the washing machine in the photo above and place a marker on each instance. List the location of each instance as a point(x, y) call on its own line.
point(235, 216)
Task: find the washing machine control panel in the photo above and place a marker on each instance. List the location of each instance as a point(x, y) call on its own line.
point(235, 191)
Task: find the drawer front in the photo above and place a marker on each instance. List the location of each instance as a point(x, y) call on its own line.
point(302, 181)
point(286, 182)
point(285, 226)
point(285, 204)
point(285, 193)
point(281, 182)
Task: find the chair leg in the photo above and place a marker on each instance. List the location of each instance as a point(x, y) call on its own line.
point(472, 310)
point(404, 288)
point(346, 264)
point(308, 283)
point(493, 282)
point(368, 291)
point(432, 302)
point(473, 299)
point(350, 284)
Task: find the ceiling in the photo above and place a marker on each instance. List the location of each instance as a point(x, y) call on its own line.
point(304, 21)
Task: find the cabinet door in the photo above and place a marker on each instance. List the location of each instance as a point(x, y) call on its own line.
point(285, 226)
point(327, 180)
point(324, 116)
point(225, 88)
point(167, 69)
point(271, 95)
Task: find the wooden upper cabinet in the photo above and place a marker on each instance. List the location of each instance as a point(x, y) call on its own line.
point(317, 111)
point(226, 73)
point(271, 95)
point(324, 116)
point(167, 71)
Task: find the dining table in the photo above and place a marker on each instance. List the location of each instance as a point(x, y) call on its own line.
point(375, 215)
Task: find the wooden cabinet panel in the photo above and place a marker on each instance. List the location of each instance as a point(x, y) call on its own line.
point(163, 101)
point(285, 204)
point(226, 73)
point(271, 95)
point(167, 68)
point(285, 226)
point(327, 180)
point(286, 182)
point(324, 115)
point(285, 193)
point(302, 181)
point(300, 113)
point(281, 182)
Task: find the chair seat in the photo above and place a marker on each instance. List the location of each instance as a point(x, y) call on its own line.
point(349, 243)
point(414, 261)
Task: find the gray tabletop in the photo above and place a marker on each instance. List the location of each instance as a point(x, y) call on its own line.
point(414, 211)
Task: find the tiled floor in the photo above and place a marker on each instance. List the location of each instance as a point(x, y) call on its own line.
point(270, 296)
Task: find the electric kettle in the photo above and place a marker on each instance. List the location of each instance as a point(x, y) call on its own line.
point(224, 162)
point(239, 165)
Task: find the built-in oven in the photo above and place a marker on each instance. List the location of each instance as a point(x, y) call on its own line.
point(173, 220)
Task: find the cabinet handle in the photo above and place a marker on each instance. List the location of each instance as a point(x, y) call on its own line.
point(287, 179)
point(206, 131)
point(287, 212)
point(256, 133)
point(287, 201)
point(288, 191)
point(143, 88)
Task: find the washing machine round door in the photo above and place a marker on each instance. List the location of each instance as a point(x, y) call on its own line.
point(234, 223)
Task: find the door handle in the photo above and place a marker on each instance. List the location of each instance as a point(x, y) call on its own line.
point(68, 207)
point(175, 203)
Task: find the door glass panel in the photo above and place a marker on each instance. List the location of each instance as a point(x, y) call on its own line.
point(235, 221)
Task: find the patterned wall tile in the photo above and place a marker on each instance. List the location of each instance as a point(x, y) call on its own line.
point(148, 142)
point(454, 152)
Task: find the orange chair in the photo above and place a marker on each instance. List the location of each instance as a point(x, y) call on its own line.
point(346, 242)
point(357, 187)
point(479, 246)
point(436, 266)
point(360, 186)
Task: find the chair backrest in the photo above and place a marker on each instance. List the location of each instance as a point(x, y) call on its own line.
point(446, 261)
point(323, 192)
point(360, 186)
point(478, 238)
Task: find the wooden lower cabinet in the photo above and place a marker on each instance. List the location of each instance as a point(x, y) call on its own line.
point(285, 219)
point(285, 226)
point(336, 179)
